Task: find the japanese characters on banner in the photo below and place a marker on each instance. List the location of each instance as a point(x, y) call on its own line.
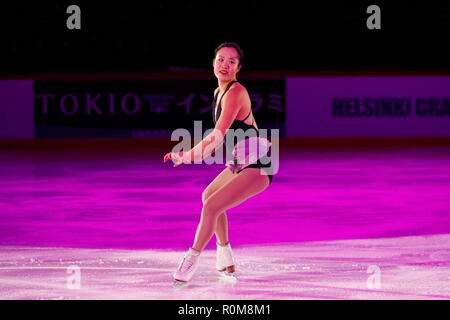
point(368, 107)
point(142, 108)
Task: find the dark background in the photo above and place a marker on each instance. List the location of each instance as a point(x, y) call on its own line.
point(131, 36)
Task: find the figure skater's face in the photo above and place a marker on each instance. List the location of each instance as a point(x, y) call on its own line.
point(226, 64)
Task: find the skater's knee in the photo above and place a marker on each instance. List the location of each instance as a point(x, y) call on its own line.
point(205, 195)
point(210, 209)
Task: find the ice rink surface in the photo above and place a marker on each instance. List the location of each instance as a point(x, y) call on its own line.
point(370, 223)
point(390, 268)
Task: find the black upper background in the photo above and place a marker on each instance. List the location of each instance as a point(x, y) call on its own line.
point(129, 36)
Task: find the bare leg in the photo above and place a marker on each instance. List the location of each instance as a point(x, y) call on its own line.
point(222, 229)
point(222, 220)
point(243, 186)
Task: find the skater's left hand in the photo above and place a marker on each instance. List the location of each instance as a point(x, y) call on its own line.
point(175, 157)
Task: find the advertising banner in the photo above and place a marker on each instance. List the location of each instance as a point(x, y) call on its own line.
point(368, 107)
point(142, 108)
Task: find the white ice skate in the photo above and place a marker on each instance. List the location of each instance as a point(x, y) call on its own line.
point(187, 267)
point(224, 259)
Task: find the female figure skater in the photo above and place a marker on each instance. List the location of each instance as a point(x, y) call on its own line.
point(232, 186)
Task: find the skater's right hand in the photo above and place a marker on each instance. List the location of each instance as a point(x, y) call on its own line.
point(175, 157)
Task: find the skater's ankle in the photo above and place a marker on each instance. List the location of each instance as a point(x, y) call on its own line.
point(223, 245)
point(194, 251)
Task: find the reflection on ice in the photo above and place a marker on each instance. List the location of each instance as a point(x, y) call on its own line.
point(409, 268)
point(347, 223)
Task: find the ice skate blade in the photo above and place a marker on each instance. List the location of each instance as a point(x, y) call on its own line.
point(228, 274)
point(179, 283)
point(229, 269)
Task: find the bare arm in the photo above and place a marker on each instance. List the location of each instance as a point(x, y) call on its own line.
point(231, 105)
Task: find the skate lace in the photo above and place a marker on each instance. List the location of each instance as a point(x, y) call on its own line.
point(186, 265)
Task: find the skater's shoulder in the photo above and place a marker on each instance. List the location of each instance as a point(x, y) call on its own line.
point(237, 91)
